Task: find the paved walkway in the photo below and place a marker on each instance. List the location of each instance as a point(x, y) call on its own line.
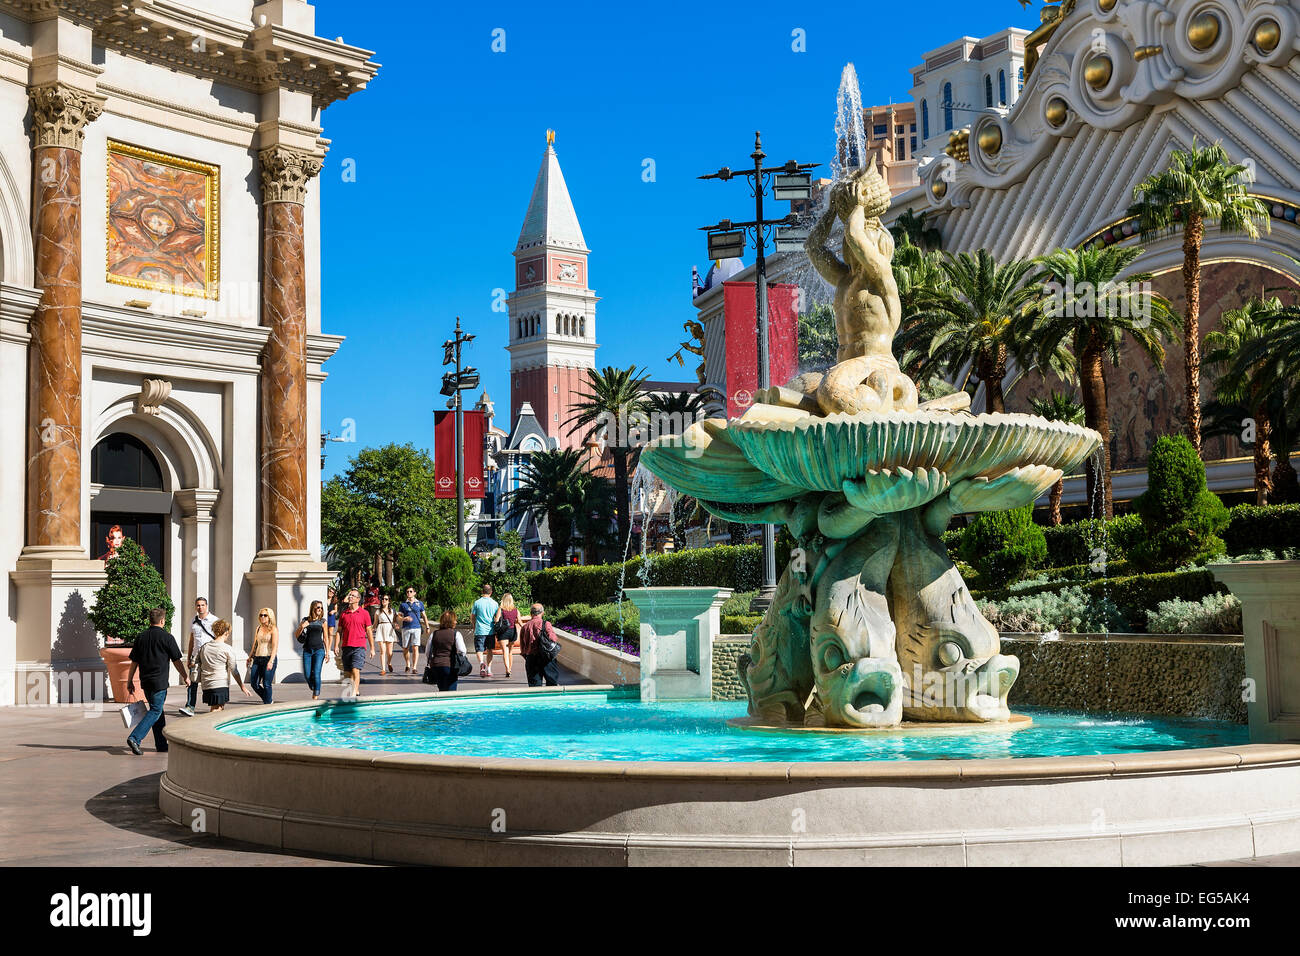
point(72, 794)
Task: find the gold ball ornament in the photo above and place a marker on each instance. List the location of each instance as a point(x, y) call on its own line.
point(1203, 32)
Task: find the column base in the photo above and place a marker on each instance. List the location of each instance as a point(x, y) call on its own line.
point(678, 628)
point(287, 582)
point(56, 654)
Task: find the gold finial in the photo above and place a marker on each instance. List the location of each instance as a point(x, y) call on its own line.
point(550, 137)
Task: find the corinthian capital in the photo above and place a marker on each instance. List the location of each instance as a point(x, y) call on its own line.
point(60, 114)
point(285, 172)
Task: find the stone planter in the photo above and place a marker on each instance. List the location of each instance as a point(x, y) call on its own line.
point(117, 661)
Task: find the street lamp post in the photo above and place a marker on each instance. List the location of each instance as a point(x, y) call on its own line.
point(453, 383)
point(727, 241)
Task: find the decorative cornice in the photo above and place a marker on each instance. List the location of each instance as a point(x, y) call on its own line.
point(60, 114)
point(285, 172)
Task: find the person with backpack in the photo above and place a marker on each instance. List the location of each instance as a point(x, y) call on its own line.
point(200, 634)
point(540, 649)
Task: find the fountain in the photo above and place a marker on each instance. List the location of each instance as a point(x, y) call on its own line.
point(871, 624)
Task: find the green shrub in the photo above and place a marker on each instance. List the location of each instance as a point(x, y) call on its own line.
point(1212, 614)
point(454, 582)
point(1003, 545)
point(1181, 518)
point(506, 570)
point(1253, 527)
point(738, 603)
point(1070, 609)
point(603, 618)
point(1078, 542)
point(133, 588)
point(740, 623)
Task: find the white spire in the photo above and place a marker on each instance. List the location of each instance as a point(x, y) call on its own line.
point(551, 220)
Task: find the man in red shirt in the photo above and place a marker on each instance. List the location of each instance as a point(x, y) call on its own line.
point(538, 665)
point(354, 637)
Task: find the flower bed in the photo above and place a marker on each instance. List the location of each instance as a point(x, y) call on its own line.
point(608, 640)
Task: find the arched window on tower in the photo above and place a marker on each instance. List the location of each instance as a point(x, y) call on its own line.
point(925, 119)
point(947, 106)
point(1002, 88)
point(582, 327)
point(1020, 81)
point(988, 90)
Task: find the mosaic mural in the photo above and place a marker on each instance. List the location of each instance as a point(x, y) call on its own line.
point(1146, 402)
point(162, 222)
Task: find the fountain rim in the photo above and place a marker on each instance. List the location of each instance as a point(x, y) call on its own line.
point(941, 418)
point(206, 734)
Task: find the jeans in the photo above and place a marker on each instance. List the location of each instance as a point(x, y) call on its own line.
point(540, 669)
point(154, 719)
point(192, 694)
point(261, 679)
point(312, 662)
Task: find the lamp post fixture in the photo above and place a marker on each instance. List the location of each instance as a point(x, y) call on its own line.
point(453, 383)
point(727, 241)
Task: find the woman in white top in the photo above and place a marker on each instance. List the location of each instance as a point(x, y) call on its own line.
point(385, 634)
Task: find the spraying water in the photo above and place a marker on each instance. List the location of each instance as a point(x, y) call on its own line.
point(850, 136)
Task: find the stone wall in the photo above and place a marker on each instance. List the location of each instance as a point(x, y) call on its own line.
point(1129, 674)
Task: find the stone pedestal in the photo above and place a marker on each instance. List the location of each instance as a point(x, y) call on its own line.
point(678, 628)
point(56, 656)
point(1269, 592)
point(287, 582)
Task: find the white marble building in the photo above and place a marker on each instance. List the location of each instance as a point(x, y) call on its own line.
point(197, 125)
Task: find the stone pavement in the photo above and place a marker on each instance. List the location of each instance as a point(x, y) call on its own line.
point(72, 794)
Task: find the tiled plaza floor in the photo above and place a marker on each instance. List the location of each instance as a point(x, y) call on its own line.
point(72, 794)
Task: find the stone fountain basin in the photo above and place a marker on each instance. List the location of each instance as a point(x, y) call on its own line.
point(1160, 808)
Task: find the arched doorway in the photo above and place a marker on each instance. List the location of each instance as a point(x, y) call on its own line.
point(133, 496)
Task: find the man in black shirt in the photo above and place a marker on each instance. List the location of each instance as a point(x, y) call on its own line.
point(150, 654)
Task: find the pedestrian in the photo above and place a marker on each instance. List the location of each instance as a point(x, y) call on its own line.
point(507, 628)
point(200, 634)
point(414, 621)
point(385, 635)
point(354, 638)
point(331, 614)
point(263, 655)
point(311, 635)
point(372, 600)
point(535, 635)
point(484, 611)
point(217, 666)
point(150, 654)
point(444, 643)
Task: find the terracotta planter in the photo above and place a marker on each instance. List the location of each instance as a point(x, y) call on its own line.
point(117, 661)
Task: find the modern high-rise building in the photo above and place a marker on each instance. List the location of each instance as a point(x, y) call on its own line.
point(552, 308)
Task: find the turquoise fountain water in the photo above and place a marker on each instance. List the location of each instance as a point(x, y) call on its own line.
point(610, 727)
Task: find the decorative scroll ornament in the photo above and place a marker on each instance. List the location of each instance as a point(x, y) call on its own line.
point(60, 114)
point(153, 393)
point(285, 172)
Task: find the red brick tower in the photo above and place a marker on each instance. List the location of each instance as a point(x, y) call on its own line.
point(552, 310)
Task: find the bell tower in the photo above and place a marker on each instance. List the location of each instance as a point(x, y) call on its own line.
point(552, 308)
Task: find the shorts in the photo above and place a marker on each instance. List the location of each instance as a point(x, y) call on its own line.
point(411, 637)
point(483, 642)
point(354, 658)
point(217, 697)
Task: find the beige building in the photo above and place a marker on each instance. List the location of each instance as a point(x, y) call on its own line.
point(892, 141)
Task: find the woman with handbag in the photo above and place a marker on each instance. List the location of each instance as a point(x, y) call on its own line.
point(262, 655)
point(506, 628)
point(311, 635)
point(445, 654)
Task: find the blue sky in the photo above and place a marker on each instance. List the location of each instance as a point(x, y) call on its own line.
point(447, 140)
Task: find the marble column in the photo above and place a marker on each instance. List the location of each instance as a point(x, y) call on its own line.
point(60, 115)
point(285, 173)
point(196, 506)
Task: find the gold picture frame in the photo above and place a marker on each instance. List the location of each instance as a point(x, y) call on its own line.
point(156, 235)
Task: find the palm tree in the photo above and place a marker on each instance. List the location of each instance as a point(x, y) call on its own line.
point(552, 486)
point(594, 520)
point(672, 414)
point(912, 228)
point(1086, 319)
point(1242, 383)
point(1200, 186)
point(918, 275)
point(975, 320)
point(1057, 407)
point(615, 399)
point(818, 345)
point(1277, 355)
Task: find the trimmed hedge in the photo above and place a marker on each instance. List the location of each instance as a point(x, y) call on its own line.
point(738, 567)
point(1003, 545)
point(740, 623)
point(1256, 527)
point(1071, 544)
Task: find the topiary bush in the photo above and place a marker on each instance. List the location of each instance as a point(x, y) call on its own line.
point(133, 589)
point(454, 582)
point(1181, 518)
point(1003, 545)
point(1077, 543)
point(1256, 527)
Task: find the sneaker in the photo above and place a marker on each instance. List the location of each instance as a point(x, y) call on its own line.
point(135, 747)
point(187, 711)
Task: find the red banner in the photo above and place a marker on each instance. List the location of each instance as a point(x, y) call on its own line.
point(740, 308)
point(444, 453)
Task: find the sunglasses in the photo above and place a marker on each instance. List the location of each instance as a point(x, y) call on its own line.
point(261, 615)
